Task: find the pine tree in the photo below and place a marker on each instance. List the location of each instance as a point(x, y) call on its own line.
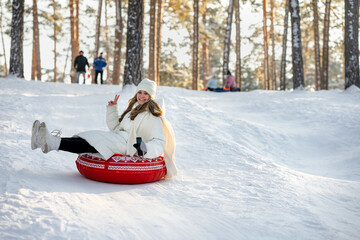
point(195, 65)
point(238, 44)
point(272, 36)
point(227, 40)
point(325, 64)
point(117, 45)
point(97, 38)
point(107, 43)
point(2, 38)
point(204, 44)
point(317, 45)
point(54, 20)
point(159, 20)
point(55, 38)
point(36, 62)
point(17, 35)
point(152, 42)
point(284, 47)
point(74, 27)
point(266, 48)
point(352, 43)
point(133, 71)
point(297, 60)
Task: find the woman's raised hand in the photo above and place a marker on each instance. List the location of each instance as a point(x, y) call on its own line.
point(114, 102)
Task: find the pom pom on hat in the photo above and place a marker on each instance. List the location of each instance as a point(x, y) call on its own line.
point(148, 86)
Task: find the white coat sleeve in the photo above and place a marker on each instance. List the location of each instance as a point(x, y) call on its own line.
point(156, 144)
point(112, 117)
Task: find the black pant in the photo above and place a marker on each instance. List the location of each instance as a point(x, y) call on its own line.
point(234, 89)
point(101, 76)
point(76, 145)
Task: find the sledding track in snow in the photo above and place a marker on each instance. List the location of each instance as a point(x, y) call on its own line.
point(255, 165)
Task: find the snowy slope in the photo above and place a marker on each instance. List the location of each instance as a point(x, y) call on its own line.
point(253, 165)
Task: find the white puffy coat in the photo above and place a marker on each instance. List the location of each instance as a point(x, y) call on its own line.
point(156, 132)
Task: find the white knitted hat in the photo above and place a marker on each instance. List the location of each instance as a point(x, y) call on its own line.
point(148, 86)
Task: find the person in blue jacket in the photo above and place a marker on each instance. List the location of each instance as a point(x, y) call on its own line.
point(99, 64)
point(212, 83)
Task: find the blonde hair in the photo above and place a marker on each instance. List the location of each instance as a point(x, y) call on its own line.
point(150, 106)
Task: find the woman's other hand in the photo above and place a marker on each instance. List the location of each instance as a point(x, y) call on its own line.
point(114, 102)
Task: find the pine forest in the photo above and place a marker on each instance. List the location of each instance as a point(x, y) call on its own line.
point(265, 44)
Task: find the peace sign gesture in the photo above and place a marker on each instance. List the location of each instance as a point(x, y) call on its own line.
point(114, 102)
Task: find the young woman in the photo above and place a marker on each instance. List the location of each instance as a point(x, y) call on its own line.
point(143, 118)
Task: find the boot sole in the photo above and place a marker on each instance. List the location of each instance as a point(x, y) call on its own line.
point(42, 132)
point(33, 131)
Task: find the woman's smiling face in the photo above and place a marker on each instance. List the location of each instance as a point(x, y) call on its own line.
point(142, 96)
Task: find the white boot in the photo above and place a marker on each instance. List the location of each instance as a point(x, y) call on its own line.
point(48, 142)
point(35, 138)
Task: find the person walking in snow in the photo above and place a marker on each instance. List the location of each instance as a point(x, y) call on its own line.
point(143, 117)
point(99, 64)
point(79, 64)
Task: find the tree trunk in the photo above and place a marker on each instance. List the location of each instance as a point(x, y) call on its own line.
point(195, 65)
point(238, 44)
point(305, 45)
point(72, 40)
point(273, 63)
point(55, 39)
point(284, 47)
point(2, 39)
point(158, 38)
point(36, 63)
point(297, 60)
point(266, 48)
point(205, 50)
point(107, 45)
point(152, 42)
point(317, 46)
point(77, 23)
point(118, 41)
point(227, 41)
point(352, 43)
point(97, 38)
point(33, 61)
point(74, 37)
point(134, 43)
point(206, 61)
point(66, 61)
point(17, 35)
point(325, 65)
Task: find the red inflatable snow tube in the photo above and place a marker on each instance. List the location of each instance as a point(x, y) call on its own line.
point(121, 169)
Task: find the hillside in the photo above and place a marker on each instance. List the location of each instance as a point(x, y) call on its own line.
point(252, 165)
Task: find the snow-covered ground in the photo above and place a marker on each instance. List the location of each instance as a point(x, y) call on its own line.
point(252, 165)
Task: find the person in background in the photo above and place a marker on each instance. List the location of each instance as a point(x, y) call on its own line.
point(79, 64)
point(230, 81)
point(143, 118)
point(212, 83)
point(99, 64)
